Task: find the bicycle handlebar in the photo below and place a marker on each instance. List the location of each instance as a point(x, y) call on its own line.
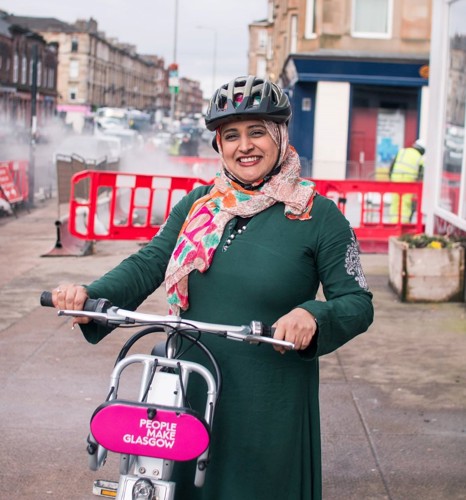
point(91, 305)
point(103, 312)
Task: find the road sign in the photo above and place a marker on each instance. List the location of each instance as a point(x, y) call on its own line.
point(173, 80)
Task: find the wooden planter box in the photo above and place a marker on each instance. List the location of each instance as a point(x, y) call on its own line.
point(426, 274)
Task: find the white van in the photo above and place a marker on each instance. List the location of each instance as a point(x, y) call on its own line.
point(90, 147)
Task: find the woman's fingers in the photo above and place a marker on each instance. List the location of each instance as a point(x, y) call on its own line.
point(298, 327)
point(72, 297)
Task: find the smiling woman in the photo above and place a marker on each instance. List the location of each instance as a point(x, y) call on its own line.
point(256, 244)
point(248, 150)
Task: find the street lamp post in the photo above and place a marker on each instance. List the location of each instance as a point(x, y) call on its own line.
point(214, 62)
point(33, 137)
point(174, 65)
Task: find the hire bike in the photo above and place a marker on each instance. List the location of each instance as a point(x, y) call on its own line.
point(157, 428)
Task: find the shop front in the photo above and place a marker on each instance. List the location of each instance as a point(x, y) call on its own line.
point(352, 112)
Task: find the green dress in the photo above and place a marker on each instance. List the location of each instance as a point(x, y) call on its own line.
point(266, 436)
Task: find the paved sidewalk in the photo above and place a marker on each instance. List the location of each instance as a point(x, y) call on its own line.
point(393, 400)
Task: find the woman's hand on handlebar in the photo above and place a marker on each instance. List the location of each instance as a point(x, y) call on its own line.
point(70, 296)
point(298, 326)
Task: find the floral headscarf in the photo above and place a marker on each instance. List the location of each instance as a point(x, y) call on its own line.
point(206, 221)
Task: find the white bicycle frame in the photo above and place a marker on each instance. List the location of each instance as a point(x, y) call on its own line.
point(149, 477)
point(165, 389)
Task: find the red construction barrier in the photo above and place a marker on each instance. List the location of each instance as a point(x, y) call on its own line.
point(126, 206)
point(9, 190)
point(19, 170)
point(366, 204)
point(123, 206)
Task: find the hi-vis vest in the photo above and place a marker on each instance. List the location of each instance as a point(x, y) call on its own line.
point(407, 165)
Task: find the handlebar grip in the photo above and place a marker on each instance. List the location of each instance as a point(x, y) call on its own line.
point(91, 305)
point(268, 331)
point(46, 299)
point(259, 328)
point(97, 305)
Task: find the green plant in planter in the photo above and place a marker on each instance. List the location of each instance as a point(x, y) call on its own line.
point(423, 240)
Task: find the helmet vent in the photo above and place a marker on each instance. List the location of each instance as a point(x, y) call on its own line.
point(248, 97)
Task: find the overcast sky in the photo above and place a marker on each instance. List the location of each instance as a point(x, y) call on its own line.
point(150, 25)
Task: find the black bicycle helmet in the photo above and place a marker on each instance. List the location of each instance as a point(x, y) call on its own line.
point(248, 97)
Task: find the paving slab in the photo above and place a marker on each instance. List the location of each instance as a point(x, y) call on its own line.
point(393, 400)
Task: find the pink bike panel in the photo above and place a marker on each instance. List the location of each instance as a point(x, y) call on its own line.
point(171, 435)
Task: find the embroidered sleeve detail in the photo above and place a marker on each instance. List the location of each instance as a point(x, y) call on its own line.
point(353, 263)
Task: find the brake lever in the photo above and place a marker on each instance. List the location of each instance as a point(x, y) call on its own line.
point(253, 339)
point(108, 318)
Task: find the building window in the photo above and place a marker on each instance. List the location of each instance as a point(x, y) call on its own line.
point(372, 18)
point(455, 118)
point(310, 20)
point(74, 45)
point(31, 71)
point(293, 34)
point(51, 78)
point(39, 73)
point(15, 68)
point(261, 70)
point(269, 48)
point(73, 93)
point(262, 39)
point(74, 69)
point(24, 70)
